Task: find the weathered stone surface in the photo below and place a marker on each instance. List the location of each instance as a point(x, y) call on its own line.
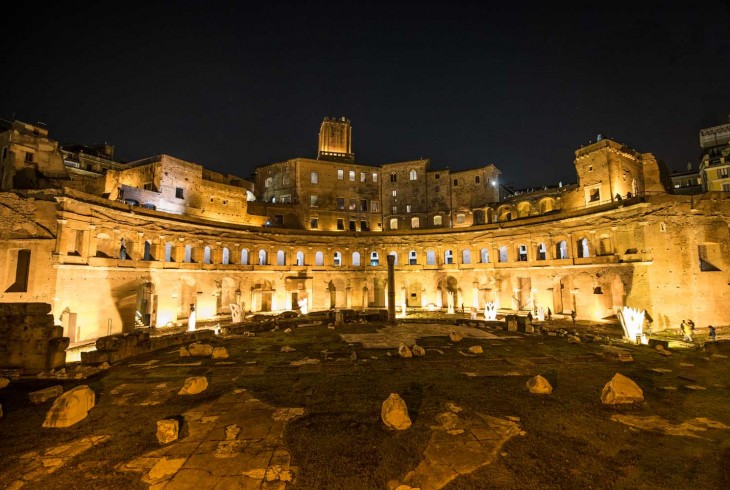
point(40, 396)
point(455, 337)
point(219, 353)
point(476, 349)
point(661, 350)
point(539, 385)
point(4, 382)
point(573, 339)
point(286, 348)
point(167, 430)
point(70, 407)
point(394, 413)
point(194, 385)
point(404, 351)
point(184, 352)
point(621, 390)
point(198, 349)
point(417, 350)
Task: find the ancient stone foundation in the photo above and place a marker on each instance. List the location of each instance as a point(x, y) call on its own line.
point(114, 348)
point(28, 339)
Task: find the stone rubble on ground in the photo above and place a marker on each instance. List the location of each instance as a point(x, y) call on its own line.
point(476, 349)
point(286, 348)
point(70, 407)
point(167, 430)
point(198, 349)
point(4, 382)
point(184, 352)
point(219, 353)
point(661, 350)
point(539, 385)
point(394, 413)
point(621, 390)
point(455, 337)
point(40, 396)
point(418, 351)
point(404, 351)
point(194, 385)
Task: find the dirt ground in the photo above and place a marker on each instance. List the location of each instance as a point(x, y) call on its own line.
point(571, 439)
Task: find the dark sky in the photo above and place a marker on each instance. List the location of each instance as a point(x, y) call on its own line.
point(234, 86)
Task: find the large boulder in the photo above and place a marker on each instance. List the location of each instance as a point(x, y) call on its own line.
point(198, 349)
point(418, 350)
point(167, 430)
point(219, 353)
point(476, 349)
point(621, 390)
point(404, 351)
point(70, 407)
point(539, 385)
point(194, 385)
point(394, 413)
point(41, 396)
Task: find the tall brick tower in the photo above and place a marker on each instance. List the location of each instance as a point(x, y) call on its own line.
point(335, 140)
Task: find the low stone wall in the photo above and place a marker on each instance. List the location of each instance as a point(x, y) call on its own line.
point(28, 338)
point(114, 348)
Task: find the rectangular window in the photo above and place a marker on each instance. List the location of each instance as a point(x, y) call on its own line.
point(313, 201)
point(22, 268)
point(408, 208)
point(147, 186)
point(340, 174)
point(353, 205)
point(374, 206)
point(395, 193)
point(353, 225)
point(352, 176)
point(726, 187)
point(340, 224)
point(313, 224)
point(28, 157)
point(456, 182)
point(363, 205)
point(340, 203)
point(393, 177)
point(179, 193)
point(375, 177)
point(395, 209)
point(437, 176)
point(314, 178)
point(722, 173)
point(363, 176)
point(364, 225)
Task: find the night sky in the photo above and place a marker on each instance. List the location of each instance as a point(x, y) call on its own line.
point(233, 86)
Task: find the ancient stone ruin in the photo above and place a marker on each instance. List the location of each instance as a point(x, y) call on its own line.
point(29, 341)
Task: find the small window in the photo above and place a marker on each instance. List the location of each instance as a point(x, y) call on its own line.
point(430, 257)
point(456, 182)
point(393, 177)
point(484, 256)
point(353, 205)
point(337, 259)
point(340, 203)
point(437, 221)
point(314, 223)
point(179, 193)
point(413, 175)
point(394, 223)
point(466, 256)
point(415, 223)
point(364, 225)
point(408, 208)
point(375, 177)
point(319, 259)
point(436, 189)
point(313, 201)
point(314, 178)
point(541, 252)
point(340, 224)
point(147, 186)
point(412, 258)
point(437, 176)
point(448, 257)
point(340, 174)
point(268, 182)
point(460, 218)
point(356, 259)
point(363, 205)
point(374, 259)
point(477, 179)
point(352, 176)
point(300, 258)
point(522, 253)
point(395, 193)
point(374, 206)
point(395, 209)
point(280, 257)
point(590, 169)
point(363, 176)
point(353, 225)
point(28, 157)
point(503, 253)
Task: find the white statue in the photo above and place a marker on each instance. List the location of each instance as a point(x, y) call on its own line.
point(236, 313)
point(450, 302)
point(191, 319)
point(303, 308)
point(540, 313)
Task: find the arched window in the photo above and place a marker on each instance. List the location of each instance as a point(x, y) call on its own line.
point(268, 182)
point(337, 259)
point(448, 257)
point(374, 259)
point(460, 218)
point(262, 257)
point(522, 253)
point(280, 258)
point(466, 256)
point(484, 256)
point(503, 255)
point(206, 255)
point(412, 258)
point(541, 251)
point(147, 251)
point(244, 256)
point(437, 221)
point(393, 223)
point(394, 254)
point(412, 174)
point(356, 259)
point(188, 253)
point(285, 179)
point(226, 256)
point(430, 257)
point(300, 258)
point(168, 252)
point(583, 248)
point(393, 177)
point(415, 222)
point(319, 259)
point(561, 250)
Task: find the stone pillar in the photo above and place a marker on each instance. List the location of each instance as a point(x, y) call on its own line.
point(348, 296)
point(327, 298)
point(365, 297)
point(475, 295)
point(92, 241)
point(391, 288)
point(62, 237)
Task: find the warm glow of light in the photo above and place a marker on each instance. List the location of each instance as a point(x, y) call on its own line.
point(632, 319)
point(490, 311)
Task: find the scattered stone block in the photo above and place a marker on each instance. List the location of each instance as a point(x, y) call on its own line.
point(539, 385)
point(455, 337)
point(288, 330)
point(194, 385)
point(394, 413)
point(529, 329)
point(476, 349)
point(104, 366)
point(286, 348)
point(219, 353)
point(184, 352)
point(661, 350)
point(417, 350)
point(70, 407)
point(573, 339)
point(621, 390)
point(404, 351)
point(40, 396)
point(198, 349)
point(4, 382)
point(167, 430)
point(613, 352)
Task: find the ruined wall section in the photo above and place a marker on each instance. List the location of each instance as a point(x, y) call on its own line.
point(31, 160)
point(608, 171)
point(472, 189)
point(29, 341)
point(405, 194)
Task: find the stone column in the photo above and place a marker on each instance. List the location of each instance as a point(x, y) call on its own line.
point(365, 297)
point(92, 241)
point(348, 296)
point(391, 288)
